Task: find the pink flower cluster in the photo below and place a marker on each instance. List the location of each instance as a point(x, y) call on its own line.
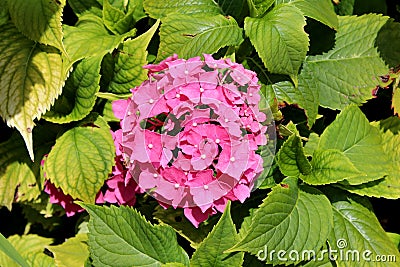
point(190, 134)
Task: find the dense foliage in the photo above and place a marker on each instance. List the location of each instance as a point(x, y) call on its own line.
point(328, 73)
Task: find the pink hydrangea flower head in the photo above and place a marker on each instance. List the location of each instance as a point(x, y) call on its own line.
point(191, 133)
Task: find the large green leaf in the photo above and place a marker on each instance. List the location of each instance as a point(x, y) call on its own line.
point(159, 9)
point(291, 218)
point(11, 252)
point(291, 158)
point(346, 74)
point(89, 151)
point(73, 252)
point(39, 20)
point(330, 166)
point(210, 251)
point(90, 38)
point(279, 38)
point(356, 231)
point(320, 10)
point(129, 62)
point(389, 187)
point(31, 248)
point(360, 142)
point(122, 237)
point(31, 78)
point(79, 93)
point(189, 36)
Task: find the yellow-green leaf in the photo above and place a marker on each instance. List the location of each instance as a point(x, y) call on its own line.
point(31, 78)
point(82, 159)
point(129, 62)
point(39, 20)
point(73, 252)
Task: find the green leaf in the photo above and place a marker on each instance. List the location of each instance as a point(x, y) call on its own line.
point(173, 264)
point(291, 218)
point(311, 144)
point(39, 20)
point(395, 238)
point(320, 10)
point(4, 15)
point(360, 142)
point(90, 38)
point(391, 123)
point(115, 19)
point(346, 74)
point(81, 7)
point(177, 220)
point(321, 259)
point(136, 7)
point(79, 93)
point(306, 96)
point(108, 113)
point(279, 39)
point(389, 187)
point(121, 236)
point(31, 78)
point(330, 166)
point(210, 251)
point(17, 173)
point(129, 62)
point(89, 151)
point(345, 7)
point(291, 158)
point(31, 248)
point(73, 252)
point(159, 9)
point(259, 7)
point(235, 8)
point(357, 229)
point(10, 251)
point(189, 36)
point(387, 40)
